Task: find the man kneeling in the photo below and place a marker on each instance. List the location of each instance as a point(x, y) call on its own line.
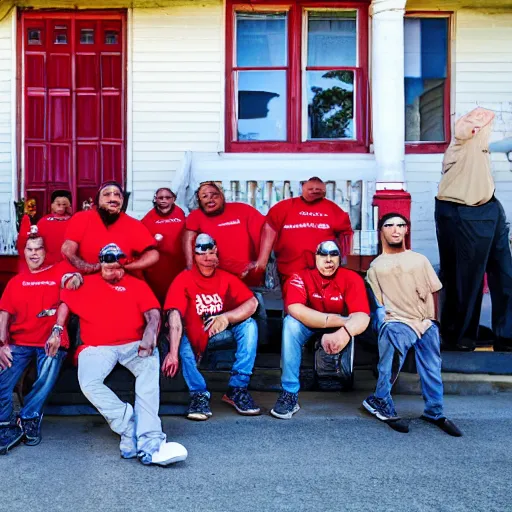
point(403, 283)
point(211, 302)
point(316, 301)
point(119, 321)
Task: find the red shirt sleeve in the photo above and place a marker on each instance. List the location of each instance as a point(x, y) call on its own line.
point(71, 298)
point(356, 298)
point(6, 302)
point(193, 222)
point(276, 216)
point(76, 227)
point(146, 299)
point(295, 291)
point(141, 238)
point(176, 295)
point(238, 292)
point(342, 225)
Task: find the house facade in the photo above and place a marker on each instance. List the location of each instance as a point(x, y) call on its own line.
point(259, 95)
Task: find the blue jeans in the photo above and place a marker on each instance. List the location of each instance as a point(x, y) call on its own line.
point(48, 369)
point(246, 337)
point(395, 340)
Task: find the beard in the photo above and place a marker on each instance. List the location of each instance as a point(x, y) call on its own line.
point(396, 245)
point(107, 217)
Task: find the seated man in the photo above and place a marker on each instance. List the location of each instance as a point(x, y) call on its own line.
point(404, 282)
point(202, 303)
point(119, 322)
point(90, 230)
point(32, 325)
point(326, 300)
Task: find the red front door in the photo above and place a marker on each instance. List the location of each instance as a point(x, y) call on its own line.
point(74, 103)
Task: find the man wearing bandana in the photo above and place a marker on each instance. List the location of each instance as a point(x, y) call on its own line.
point(327, 300)
point(203, 304)
point(294, 227)
point(403, 283)
point(473, 238)
point(166, 222)
point(89, 231)
point(236, 228)
point(32, 326)
point(119, 321)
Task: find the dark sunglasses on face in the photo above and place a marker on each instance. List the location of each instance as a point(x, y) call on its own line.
point(111, 258)
point(204, 247)
point(322, 252)
point(400, 225)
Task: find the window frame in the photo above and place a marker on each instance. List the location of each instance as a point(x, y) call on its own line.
point(428, 147)
point(294, 81)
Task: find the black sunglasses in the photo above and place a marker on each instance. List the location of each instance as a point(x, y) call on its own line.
point(205, 247)
point(322, 252)
point(111, 258)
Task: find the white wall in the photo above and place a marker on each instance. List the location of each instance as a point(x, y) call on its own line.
point(482, 77)
point(178, 98)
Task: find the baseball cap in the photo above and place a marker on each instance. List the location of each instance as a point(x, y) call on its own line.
point(328, 247)
point(111, 253)
point(204, 243)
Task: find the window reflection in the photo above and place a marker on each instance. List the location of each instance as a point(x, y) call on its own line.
point(87, 36)
point(60, 34)
point(111, 37)
point(34, 36)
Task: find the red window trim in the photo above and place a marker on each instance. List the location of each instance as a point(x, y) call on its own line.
point(417, 147)
point(294, 144)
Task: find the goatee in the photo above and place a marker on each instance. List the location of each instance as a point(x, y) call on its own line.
point(107, 217)
point(397, 245)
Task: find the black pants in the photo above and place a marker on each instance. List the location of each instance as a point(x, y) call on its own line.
point(473, 240)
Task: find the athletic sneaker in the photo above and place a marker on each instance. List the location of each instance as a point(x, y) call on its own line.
point(11, 435)
point(445, 425)
point(242, 401)
point(168, 453)
point(385, 412)
point(286, 406)
point(199, 408)
point(32, 430)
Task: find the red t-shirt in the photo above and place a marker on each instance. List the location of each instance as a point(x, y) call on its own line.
point(342, 294)
point(26, 295)
point(300, 227)
point(172, 260)
point(111, 314)
point(237, 231)
point(195, 295)
point(53, 230)
point(87, 229)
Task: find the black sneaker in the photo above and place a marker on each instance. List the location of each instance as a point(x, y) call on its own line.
point(286, 406)
point(445, 425)
point(32, 430)
point(11, 435)
point(386, 413)
point(242, 401)
point(199, 408)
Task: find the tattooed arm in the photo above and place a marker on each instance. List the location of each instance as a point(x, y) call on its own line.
point(171, 362)
point(70, 252)
point(148, 343)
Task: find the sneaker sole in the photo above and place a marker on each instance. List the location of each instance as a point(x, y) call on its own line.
point(195, 416)
point(288, 415)
point(179, 458)
point(16, 442)
point(32, 441)
point(376, 413)
point(250, 412)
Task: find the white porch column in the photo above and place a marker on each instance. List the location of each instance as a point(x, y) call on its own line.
point(387, 82)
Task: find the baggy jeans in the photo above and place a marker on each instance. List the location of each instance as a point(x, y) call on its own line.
point(395, 340)
point(48, 369)
point(140, 429)
point(246, 337)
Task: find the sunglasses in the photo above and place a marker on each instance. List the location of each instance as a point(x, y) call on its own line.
point(400, 225)
point(111, 258)
point(322, 252)
point(204, 247)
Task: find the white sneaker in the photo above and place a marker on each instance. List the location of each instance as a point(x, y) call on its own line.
point(169, 453)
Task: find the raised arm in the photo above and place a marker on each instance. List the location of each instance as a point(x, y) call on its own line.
point(148, 343)
point(70, 252)
point(171, 362)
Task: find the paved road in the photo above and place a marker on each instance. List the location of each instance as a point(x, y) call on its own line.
point(330, 457)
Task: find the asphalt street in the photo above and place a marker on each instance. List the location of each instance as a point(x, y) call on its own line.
point(332, 456)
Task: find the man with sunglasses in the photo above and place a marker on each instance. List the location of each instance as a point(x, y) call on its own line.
point(166, 222)
point(203, 304)
point(294, 227)
point(119, 323)
point(236, 228)
point(90, 230)
point(404, 284)
point(329, 301)
point(32, 326)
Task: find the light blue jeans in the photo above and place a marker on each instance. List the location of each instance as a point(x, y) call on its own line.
point(395, 340)
point(140, 429)
point(246, 337)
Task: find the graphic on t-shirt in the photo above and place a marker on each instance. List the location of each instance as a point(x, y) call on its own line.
point(208, 304)
point(230, 223)
point(303, 225)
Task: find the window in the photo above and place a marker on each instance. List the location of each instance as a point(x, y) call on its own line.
point(427, 84)
point(296, 77)
point(87, 36)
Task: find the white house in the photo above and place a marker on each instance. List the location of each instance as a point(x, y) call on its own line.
point(174, 92)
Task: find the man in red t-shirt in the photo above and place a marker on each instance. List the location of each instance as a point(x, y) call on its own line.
point(32, 326)
point(205, 304)
point(236, 227)
point(294, 227)
point(119, 322)
point(89, 231)
point(166, 222)
point(329, 301)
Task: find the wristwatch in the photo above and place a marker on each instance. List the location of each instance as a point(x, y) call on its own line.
point(58, 328)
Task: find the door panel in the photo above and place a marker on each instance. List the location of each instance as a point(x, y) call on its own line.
point(74, 111)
